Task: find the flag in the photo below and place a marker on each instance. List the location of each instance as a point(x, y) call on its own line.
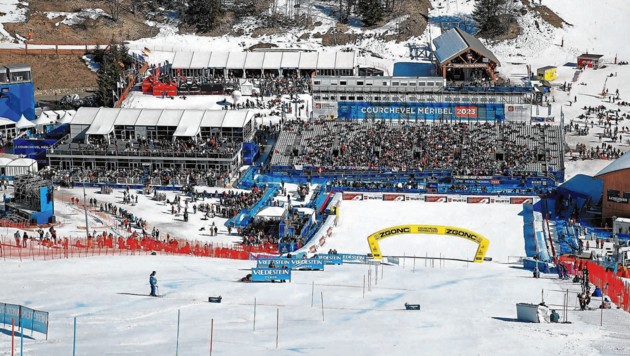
point(145, 54)
point(147, 50)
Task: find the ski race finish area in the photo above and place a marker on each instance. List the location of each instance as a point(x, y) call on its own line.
point(481, 241)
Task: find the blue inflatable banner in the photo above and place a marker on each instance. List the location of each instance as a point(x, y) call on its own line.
point(314, 264)
point(270, 274)
point(420, 111)
point(278, 262)
point(352, 258)
point(331, 259)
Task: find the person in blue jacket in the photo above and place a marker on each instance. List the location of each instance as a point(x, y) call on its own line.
point(153, 283)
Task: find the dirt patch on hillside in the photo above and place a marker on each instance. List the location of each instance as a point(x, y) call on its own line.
point(55, 72)
point(94, 31)
point(547, 14)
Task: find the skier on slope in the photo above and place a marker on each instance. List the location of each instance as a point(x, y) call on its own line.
point(153, 283)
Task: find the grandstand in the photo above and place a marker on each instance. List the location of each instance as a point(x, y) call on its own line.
point(488, 149)
point(420, 98)
point(132, 138)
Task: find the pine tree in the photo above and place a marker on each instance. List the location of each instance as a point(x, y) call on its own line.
point(114, 62)
point(203, 14)
point(371, 11)
point(488, 15)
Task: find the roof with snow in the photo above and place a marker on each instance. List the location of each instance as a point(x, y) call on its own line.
point(187, 123)
point(264, 60)
point(455, 42)
point(590, 56)
point(619, 164)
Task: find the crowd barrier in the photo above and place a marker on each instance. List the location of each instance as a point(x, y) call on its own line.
point(612, 285)
point(36, 249)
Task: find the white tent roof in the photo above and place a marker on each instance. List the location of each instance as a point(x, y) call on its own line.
point(170, 118)
point(200, 60)
point(47, 117)
point(85, 116)
point(103, 122)
point(128, 117)
point(23, 123)
point(271, 211)
point(190, 123)
point(4, 161)
point(273, 60)
point(236, 60)
point(234, 118)
point(149, 117)
point(182, 59)
point(326, 60)
point(308, 60)
point(290, 60)
point(6, 122)
point(254, 60)
point(213, 118)
point(66, 116)
point(218, 59)
point(22, 162)
point(344, 60)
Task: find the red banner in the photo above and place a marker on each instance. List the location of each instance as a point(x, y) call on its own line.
point(352, 196)
point(478, 200)
point(393, 197)
point(435, 198)
point(521, 200)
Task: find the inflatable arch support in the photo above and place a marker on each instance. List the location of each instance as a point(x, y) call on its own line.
point(481, 241)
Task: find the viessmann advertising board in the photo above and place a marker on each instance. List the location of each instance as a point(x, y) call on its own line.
point(420, 111)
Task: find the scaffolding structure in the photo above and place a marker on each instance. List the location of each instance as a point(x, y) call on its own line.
point(27, 191)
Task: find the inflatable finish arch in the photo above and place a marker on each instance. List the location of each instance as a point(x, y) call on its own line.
point(430, 230)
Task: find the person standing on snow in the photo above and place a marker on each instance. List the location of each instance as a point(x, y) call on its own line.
point(153, 283)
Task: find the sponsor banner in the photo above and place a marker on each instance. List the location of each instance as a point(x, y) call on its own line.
point(352, 196)
point(393, 197)
point(331, 259)
point(615, 196)
point(40, 321)
point(11, 312)
point(478, 200)
point(322, 240)
point(270, 274)
point(286, 248)
point(315, 264)
point(26, 318)
point(543, 118)
point(435, 198)
point(372, 196)
point(347, 257)
point(415, 197)
point(482, 242)
point(457, 199)
point(420, 111)
point(278, 262)
point(521, 200)
point(500, 200)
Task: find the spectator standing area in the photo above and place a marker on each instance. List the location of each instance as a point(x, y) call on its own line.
point(155, 139)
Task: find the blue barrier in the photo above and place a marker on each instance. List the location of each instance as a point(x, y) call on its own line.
point(25, 318)
point(302, 263)
point(278, 262)
point(543, 267)
point(270, 274)
point(350, 258)
point(331, 259)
